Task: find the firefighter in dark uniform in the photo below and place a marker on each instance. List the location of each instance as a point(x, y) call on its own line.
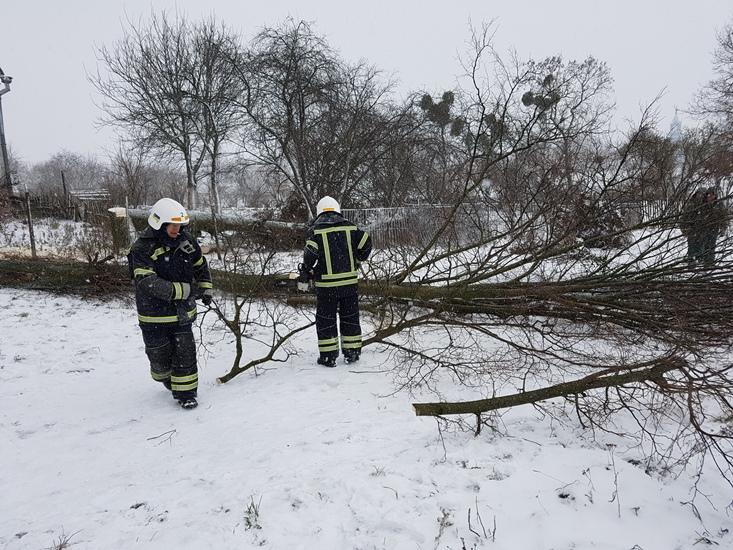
point(170, 273)
point(713, 224)
point(690, 226)
point(334, 249)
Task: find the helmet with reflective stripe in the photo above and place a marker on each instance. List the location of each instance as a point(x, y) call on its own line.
point(167, 211)
point(327, 204)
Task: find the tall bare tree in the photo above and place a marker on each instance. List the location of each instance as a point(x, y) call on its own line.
point(312, 120)
point(169, 86)
point(714, 103)
point(141, 178)
point(716, 99)
point(551, 294)
point(216, 87)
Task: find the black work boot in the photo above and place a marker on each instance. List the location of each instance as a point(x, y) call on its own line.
point(351, 355)
point(327, 360)
point(188, 402)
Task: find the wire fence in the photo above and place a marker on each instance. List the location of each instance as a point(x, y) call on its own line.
point(389, 227)
point(416, 225)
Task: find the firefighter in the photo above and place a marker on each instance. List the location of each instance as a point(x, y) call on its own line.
point(713, 224)
point(170, 273)
point(690, 226)
point(333, 251)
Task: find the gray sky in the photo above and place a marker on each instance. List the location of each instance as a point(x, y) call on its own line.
point(49, 46)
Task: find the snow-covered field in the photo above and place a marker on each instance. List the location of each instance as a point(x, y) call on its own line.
point(52, 237)
point(297, 457)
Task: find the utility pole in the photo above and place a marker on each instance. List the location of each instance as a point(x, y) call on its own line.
point(5, 80)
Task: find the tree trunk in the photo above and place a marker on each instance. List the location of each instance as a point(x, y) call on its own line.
point(215, 204)
point(214, 184)
point(190, 186)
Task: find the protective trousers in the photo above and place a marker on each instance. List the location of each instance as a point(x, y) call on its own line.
point(707, 249)
point(171, 351)
point(346, 305)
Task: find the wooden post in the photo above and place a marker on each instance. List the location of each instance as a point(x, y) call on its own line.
point(67, 198)
point(30, 224)
point(63, 185)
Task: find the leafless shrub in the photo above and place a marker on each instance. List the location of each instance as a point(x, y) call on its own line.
point(95, 245)
point(63, 542)
point(247, 314)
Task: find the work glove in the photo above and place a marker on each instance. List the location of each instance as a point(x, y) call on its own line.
point(304, 278)
point(304, 274)
point(206, 296)
point(182, 309)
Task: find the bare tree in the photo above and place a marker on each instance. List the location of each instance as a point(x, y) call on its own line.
point(128, 174)
point(714, 104)
point(169, 86)
point(314, 121)
point(216, 87)
point(80, 173)
point(142, 178)
point(715, 100)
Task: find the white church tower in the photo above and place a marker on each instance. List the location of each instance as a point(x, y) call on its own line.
point(675, 128)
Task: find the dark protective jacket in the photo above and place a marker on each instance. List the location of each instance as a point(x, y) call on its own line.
point(713, 219)
point(333, 250)
point(159, 266)
point(690, 220)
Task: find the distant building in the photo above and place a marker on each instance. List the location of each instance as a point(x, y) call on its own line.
point(675, 128)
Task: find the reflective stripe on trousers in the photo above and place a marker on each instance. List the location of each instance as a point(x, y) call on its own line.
point(171, 351)
point(328, 307)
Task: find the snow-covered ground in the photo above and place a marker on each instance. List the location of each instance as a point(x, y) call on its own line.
point(53, 238)
point(297, 457)
point(64, 239)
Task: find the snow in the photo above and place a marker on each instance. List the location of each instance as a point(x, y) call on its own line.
point(54, 238)
point(67, 239)
point(294, 457)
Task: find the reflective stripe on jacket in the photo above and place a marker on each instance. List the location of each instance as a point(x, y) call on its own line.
point(166, 274)
point(333, 249)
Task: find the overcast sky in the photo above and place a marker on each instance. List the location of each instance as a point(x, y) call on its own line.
point(650, 45)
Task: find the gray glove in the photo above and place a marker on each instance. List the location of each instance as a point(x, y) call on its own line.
point(182, 309)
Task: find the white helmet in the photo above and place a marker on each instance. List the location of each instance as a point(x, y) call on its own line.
point(327, 204)
point(167, 211)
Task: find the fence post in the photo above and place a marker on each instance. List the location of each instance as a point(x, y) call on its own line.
point(117, 230)
point(30, 224)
